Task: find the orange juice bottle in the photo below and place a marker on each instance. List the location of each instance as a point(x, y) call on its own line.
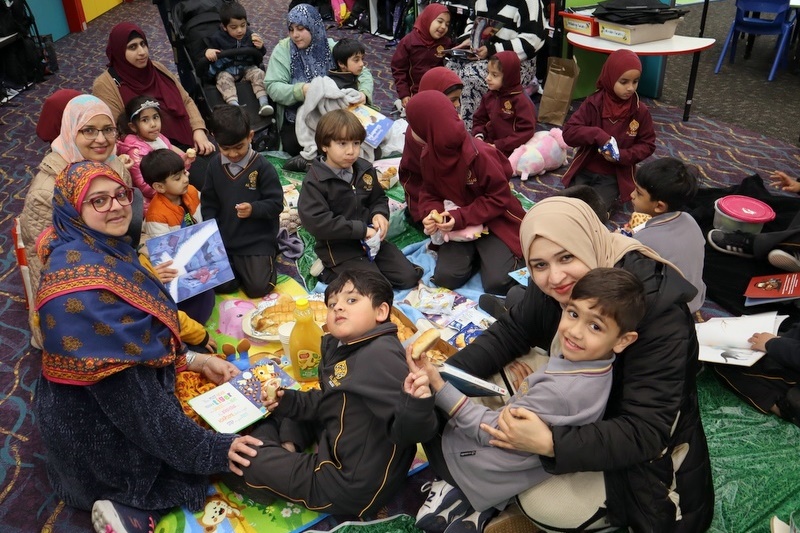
point(305, 342)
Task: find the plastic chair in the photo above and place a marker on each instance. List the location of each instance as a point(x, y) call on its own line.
point(780, 25)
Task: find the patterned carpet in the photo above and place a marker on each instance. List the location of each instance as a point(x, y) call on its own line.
point(754, 457)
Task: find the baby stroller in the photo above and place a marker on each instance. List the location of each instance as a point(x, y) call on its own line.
point(191, 22)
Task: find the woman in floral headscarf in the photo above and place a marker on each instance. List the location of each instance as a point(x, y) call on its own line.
point(296, 60)
point(116, 437)
point(87, 132)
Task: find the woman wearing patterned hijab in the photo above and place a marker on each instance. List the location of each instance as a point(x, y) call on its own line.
point(87, 132)
point(296, 60)
point(114, 432)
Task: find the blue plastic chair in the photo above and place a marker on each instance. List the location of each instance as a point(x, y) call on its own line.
point(780, 25)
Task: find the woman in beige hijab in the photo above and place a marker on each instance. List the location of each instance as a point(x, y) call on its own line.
point(645, 465)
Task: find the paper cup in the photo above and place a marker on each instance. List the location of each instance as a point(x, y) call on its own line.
point(284, 332)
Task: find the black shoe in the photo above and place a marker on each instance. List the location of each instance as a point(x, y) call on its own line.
point(493, 305)
point(789, 406)
point(297, 164)
point(732, 242)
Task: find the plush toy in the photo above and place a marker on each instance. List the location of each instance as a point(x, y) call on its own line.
point(546, 150)
point(469, 233)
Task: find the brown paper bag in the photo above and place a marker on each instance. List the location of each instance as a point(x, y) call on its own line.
point(562, 75)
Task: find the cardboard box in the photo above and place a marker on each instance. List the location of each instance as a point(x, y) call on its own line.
point(636, 34)
point(577, 23)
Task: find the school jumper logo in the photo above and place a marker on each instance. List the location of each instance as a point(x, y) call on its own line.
point(633, 128)
point(252, 180)
point(471, 180)
point(508, 107)
point(367, 182)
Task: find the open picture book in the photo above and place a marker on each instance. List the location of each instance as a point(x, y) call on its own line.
point(234, 405)
point(725, 339)
point(197, 253)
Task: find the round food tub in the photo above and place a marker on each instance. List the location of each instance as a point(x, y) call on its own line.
point(741, 213)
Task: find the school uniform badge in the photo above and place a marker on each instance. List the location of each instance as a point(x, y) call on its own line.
point(367, 182)
point(340, 370)
point(508, 107)
point(252, 180)
point(633, 128)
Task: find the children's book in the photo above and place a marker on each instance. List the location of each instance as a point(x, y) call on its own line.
point(197, 253)
point(724, 340)
point(483, 29)
point(773, 288)
point(469, 384)
point(234, 405)
point(521, 276)
point(376, 124)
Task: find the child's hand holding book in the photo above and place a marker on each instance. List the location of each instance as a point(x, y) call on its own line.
point(759, 340)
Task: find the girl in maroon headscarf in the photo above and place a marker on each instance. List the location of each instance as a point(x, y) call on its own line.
point(474, 176)
point(506, 117)
point(421, 50)
point(446, 81)
point(612, 112)
point(131, 73)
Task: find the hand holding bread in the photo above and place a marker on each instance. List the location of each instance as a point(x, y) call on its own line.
point(424, 343)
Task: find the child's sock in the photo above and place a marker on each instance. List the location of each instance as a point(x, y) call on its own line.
point(262, 100)
point(112, 517)
point(233, 102)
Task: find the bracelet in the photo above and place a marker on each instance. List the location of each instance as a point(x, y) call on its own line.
point(190, 357)
point(203, 366)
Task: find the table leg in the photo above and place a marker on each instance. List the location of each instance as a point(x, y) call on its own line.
point(690, 89)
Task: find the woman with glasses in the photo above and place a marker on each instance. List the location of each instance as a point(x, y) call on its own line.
point(88, 133)
point(132, 73)
point(116, 438)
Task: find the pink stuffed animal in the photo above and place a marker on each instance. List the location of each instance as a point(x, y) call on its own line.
point(546, 150)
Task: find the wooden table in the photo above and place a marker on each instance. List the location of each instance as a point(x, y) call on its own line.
point(677, 45)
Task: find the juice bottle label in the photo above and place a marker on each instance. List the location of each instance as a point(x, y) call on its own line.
point(308, 364)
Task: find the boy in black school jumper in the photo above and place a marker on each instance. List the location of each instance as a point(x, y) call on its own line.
point(367, 419)
point(343, 206)
point(348, 54)
point(243, 192)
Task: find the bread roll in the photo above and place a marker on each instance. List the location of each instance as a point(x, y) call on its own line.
point(437, 217)
point(424, 342)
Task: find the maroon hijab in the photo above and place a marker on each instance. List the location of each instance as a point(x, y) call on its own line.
point(49, 125)
point(422, 26)
point(617, 64)
point(148, 80)
point(448, 150)
point(440, 79)
point(510, 66)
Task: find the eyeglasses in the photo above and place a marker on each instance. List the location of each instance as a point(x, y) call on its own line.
point(91, 133)
point(102, 204)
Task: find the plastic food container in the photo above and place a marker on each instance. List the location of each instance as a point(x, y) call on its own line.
point(742, 213)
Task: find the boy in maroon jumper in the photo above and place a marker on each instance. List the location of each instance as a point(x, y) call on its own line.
point(506, 117)
point(612, 112)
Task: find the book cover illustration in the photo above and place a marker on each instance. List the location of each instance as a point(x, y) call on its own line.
point(483, 29)
point(234, 405)
point(197, 253)
point(773, 288)
point(725, 340)
point(521, 276)
point(376, 123)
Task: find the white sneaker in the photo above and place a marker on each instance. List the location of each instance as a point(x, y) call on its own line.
point(445, 504)
point(105, 518)
point(266, 110)
point(789, 262)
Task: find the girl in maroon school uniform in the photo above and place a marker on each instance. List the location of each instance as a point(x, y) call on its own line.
point(421, 50)
point(440, 79)
point(612, 112)
point(506, 117)
point(474, 176)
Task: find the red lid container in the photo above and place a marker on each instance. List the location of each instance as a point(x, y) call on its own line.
point(746, 209)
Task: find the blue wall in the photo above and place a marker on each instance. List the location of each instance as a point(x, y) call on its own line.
point(50, 18)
